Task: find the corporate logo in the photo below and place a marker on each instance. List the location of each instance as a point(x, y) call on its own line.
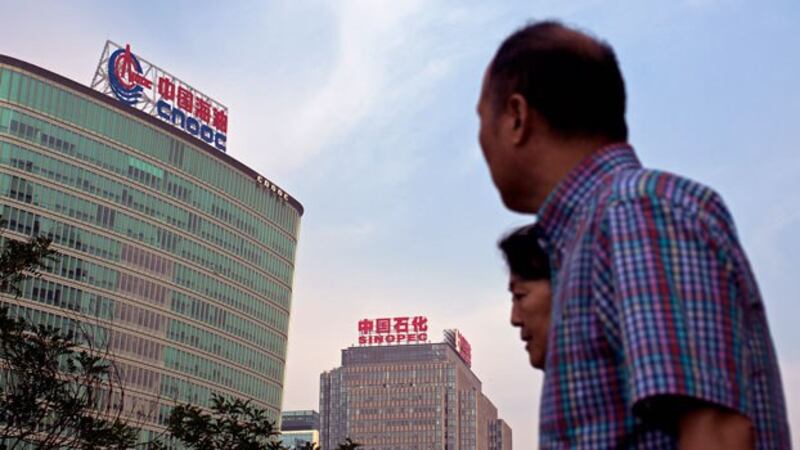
point(393, 330)
point(272, 187)
point(125, 76)
point(142, 85)
point(180, 107)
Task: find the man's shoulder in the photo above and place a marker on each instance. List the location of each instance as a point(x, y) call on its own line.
point(657, 187)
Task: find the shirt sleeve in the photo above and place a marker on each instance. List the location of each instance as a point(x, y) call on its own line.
point(681, 319)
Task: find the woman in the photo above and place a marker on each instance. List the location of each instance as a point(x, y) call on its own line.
point(529, 284)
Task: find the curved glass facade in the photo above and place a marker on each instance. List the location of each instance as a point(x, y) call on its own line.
point(173, 250)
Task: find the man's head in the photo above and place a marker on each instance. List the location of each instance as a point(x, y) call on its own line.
point(529, 284)
point(550, 95)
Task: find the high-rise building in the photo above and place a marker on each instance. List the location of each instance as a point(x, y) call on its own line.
point(180, 255)
point(499, 435)
point(409, 397)
point(299, 428)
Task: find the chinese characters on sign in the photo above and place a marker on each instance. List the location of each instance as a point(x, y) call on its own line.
point(395, 330)
point(142, 85)
point(191, 112)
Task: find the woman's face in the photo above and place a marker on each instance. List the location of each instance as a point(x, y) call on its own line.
point(530, 312)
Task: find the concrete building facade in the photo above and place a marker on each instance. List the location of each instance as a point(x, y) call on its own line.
point(499, 435)
point(406, 397)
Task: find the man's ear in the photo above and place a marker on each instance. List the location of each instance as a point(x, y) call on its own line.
point(519, 115)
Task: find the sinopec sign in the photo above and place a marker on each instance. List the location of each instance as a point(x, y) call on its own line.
point(393, 330)
point(142, 85)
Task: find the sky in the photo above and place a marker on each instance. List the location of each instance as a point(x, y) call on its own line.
point(365, 112)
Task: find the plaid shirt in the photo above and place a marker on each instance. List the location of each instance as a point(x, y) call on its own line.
point(652, 295)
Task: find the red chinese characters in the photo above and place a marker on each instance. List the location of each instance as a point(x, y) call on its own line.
point(166, 88)
point(420, 323)
point(365, 326)
point(192, 103)
point(138, 83)
point(392, 331)
point(220, 121)
point(202, 109)
point(401, 324)
point(185, 99)
point(383, 326)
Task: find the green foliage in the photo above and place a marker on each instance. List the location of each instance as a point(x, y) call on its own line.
point(22, 259)
point(308, 446)
point(61, 392)
point(52, 381)
point(52, 389)
point(232, 424)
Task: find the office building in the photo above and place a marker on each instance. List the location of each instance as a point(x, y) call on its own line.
point(420, 396)
point(499, 435)
point(180, 256)
point(299, 428)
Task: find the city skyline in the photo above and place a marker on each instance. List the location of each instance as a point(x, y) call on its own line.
point(369, 109)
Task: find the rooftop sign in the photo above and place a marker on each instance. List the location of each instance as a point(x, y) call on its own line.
point(137, 83)
point(460, 344)
point(395, 330)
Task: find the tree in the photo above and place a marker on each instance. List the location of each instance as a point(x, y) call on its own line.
point(20, 260)
point(232, 424)
point(53, 390)
point(57, 391)
point(348, 444)
point(61, 391)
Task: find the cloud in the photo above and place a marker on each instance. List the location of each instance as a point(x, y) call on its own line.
point(306, 113)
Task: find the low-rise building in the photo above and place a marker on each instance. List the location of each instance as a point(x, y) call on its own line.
point(299, 428)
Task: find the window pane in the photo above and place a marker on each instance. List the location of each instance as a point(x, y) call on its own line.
point(5, 83)
point(15, 80)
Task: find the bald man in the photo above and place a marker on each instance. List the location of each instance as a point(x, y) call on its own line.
point(658, 335)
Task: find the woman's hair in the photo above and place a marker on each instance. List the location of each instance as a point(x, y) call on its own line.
point(523, 254)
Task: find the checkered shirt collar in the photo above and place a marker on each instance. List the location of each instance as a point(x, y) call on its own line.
point(569, 196)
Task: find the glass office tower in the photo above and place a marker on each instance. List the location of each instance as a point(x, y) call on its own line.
point(175, 252)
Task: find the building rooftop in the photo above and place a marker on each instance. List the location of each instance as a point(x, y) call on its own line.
point(150, 120)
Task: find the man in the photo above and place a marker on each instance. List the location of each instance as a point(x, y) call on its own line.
point(658, 335)
point(529, 284)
